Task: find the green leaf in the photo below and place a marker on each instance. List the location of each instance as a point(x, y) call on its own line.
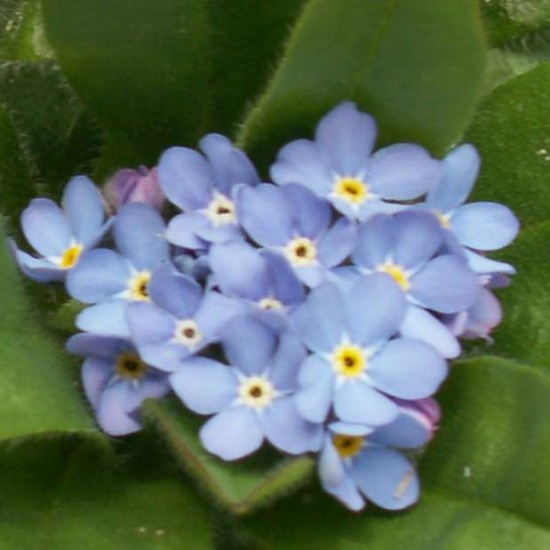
point(404, 61)
point(142, 66)
point(38, 393)
point(240, 486)
point(486, 477)
point(65, 494)
point(511, 132)
point(57, 135)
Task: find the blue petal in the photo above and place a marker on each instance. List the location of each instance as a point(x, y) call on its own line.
point(375, 309)
point(230, 165)
point(177, 293)
point(155, 385)
point(205, 386)
point(346, 136)
point(212, 233)
point(374, 241)
point(286, 429)
point(319, 321)
point(337, 243)
point(408, 369)
point(186, 178)
point(421, 325)
point(112, 412)
point(38, 269)
point(139, 235)
point(287, 360)
point(386, 477)
point(486, 266)
point(149, 324)
point(316, 383)
point(105, 319)
point(460, 170)
point(98, 276)
point(445, 285)
point(266, 214)
point(402, 172)
point(331, 468)
point(165, 356)
point(311, 213)
point(240, 270)
point(418, 235)
point(95, 375)
point(232, 434)
point(183, 230)
point(347, 494)
point(93, 345)
point(485, 225)
point(357, 402)
point(483, 316)
point(248, 344)
point(348, 428)
point(410, 430)
point(215, 312)
point(46, 228)
point(83, 207)
point(286, 287)
point(301, 162)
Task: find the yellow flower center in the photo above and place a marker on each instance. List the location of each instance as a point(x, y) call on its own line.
point(257, 392)
point(348, 445)
point(130, 366)
point(271, 303)
point(444, 220)
point(349, 360)
point(139, 287)
point(187, 333)
point(71, 256)
point(352, 190)
point(397, 272)
point(221, 210)
point(301, 251)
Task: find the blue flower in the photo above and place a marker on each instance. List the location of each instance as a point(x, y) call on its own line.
point(262, 281)
point(252, 399)
point(116, 381)
point(478, 226)
point(112, 280)
point(340, 166)
point(180, 320)
point(406, 246)
point(356, 366)
point(296, 224)
point(60, 236)
point(358, 463)
point(203, 189)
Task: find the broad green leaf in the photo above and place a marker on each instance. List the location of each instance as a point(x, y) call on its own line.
point(486, 477)
point(525, 331)
point(416, 65)
point(57, 135)
point(240, 486)
point(66, 494)
point(37, 393)
point(143, 67)
point(511, 132)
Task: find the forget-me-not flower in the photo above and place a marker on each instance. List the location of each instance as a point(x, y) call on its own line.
point(202, 186)
point(340, 165)
point(252, 398)
point(116, 381)
point(356, 366)
point(61, 235)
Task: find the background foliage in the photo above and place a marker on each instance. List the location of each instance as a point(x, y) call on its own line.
point(89, 86)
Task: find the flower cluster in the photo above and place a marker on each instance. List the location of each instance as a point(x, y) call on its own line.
point(316, 312)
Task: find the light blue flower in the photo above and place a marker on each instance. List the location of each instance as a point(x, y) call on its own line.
point(252, 399)
point(295, 223)
point(406, 246)
point(261, 280)
point(478, 226)
point(116, 381)
point(340, 165)
point(203, 189)
point(61, 235)
point(180, 321)
point(356, 366)
point(112, 280)
point(358, 464)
